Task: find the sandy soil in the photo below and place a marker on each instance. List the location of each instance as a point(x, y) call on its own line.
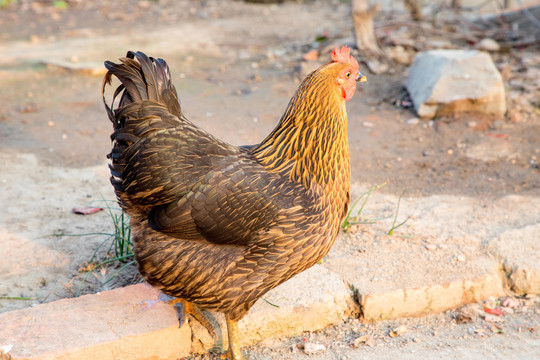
point(235, 66)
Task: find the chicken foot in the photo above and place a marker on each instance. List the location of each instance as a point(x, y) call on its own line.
point(184, 308)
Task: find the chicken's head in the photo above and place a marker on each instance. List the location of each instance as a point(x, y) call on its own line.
point(348, 74)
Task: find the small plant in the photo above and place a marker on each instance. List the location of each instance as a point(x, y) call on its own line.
point(394, 226)
point(357, 219)
point(119, 251)
point(6, 3)
point(60, 4)
point(15, 298)
point(120, 245)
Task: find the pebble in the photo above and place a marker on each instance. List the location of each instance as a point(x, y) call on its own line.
point(377, 67)
point(413, 121)
point(471, 124)
point(510, 303)
point(466, 314)
point(507, 311)
point(400, 330)
point(430, 247)
point(492, 318)
point(368, 124)
point(364, 339)
point(488, 44)
point(311, 348)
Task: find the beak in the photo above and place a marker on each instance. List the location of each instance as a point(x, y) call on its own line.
point(361, 77)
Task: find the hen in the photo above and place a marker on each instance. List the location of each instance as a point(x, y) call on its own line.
point(218, 225)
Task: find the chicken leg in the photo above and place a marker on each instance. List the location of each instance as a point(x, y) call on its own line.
point(184, 308)
point(234, 352)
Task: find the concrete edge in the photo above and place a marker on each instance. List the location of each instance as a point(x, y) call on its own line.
point(305, 312)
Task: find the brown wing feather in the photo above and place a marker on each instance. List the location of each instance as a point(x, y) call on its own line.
point(231, 205)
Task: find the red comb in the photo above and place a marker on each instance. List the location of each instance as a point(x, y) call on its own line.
point(343, 55)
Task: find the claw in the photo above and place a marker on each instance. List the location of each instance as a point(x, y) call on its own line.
point(180, 312)
point(183, 307)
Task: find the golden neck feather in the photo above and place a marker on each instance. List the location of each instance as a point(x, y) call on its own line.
point(310, 140)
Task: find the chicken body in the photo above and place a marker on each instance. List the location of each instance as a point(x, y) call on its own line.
point(220, 225)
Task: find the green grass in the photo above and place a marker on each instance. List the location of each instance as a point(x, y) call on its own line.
point(6, 3)
point(351, 220)
point(60, 4)
point(118, 250)
point(15, 298)
point(394, 226)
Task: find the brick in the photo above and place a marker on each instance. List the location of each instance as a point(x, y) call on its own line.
point(400, 303)
point(124, 323)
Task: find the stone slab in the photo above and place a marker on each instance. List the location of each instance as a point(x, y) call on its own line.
point(401, 303)
point(438, 260)
point(124, 323)
point(519, 251)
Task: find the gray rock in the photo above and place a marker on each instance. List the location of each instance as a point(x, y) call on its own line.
point(448, 82)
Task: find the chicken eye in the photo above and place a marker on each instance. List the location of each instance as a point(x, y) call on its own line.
point(348, 74)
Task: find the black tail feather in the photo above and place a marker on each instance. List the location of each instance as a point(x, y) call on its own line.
point(142, 78)
point(148, 102)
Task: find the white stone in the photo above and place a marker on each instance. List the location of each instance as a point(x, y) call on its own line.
point(488, 44)
point(313, 348)
point(448, 82)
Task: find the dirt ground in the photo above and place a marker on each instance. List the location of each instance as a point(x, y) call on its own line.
point(235, 66)
point(441, 336)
